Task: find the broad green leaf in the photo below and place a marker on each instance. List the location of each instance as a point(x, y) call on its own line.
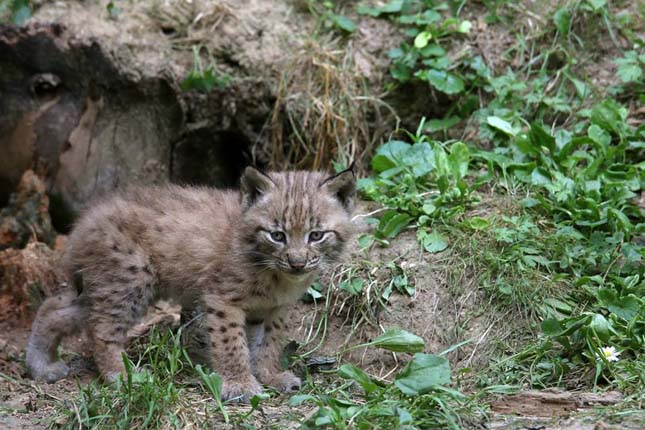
point(256, 399)
point(401, 283)
point(552, 327)
point(501, 125)
point(348, 371)
point(443, 81)
point(202, 82)
point(559, 305)
point(582, 90)
point(600, 326)
point(424, 19)
point(389, 155)
point(562, 20)
point(530, 202)
point(420, 158)
point(343, 22)
point(533, 261)
point(433, 50)
point(630, 72)
point(113, 10)
point(626, 307)
point(562, 188)
point(539, 178)
point(599, 135)
point(213, 383)
point(562, 138)
point(299, 399)
point(435, 125)
point(392, 223)
point(428, 208)
point(477, 223)
point(404, 417)
point(399, 340)
point(353, 286)
point(432, 242)
point(609, 115)
point(540, 137)
point(315, 294)
point(621, 220)
point(365, 240)
point(422, 39)
point(631, 252)
point(441, 164)
point(459, 159)
point(423, 374)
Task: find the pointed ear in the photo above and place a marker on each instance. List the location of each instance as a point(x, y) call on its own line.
point(253, 185)
point(342, 186)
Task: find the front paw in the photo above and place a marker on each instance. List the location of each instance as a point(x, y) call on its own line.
point(237, 390)
point(285, 382)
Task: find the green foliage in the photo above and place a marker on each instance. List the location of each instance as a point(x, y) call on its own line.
point(201, 79)
point(326, 11)
point(424, 56)
point(630, 67)
point(584, 180)
point(142, 399)
point(584, 184)
point(213, 384)
point(398, 340)
point(420, 397)
point(570, 261)
point(15, 11)
point(421, 182)
point(423, 374)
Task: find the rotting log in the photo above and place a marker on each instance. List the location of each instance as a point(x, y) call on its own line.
point(26, 277)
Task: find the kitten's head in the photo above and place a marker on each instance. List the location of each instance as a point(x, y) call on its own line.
point(296, 222)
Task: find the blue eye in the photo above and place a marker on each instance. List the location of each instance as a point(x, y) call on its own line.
point(278, 236)
point(316, 236)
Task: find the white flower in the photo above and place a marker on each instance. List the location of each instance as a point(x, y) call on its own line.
point(609, 353)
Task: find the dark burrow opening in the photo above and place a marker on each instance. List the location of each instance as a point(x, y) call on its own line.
point(209, 157)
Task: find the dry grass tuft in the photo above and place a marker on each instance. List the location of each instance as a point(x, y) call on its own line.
point(324, 111)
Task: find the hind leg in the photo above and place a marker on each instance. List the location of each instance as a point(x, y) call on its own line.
point(119, 296)
point(57, 317)
point(121, 307)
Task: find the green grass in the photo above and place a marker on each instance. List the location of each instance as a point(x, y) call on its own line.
point(161, 389)
point(143, 399)
point(567, 263)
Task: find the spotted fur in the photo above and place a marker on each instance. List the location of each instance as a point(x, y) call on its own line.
point(242, 257)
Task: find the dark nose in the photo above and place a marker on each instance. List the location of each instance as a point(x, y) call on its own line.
point(296, 262)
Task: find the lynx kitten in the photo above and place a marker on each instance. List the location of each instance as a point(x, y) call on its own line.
point(242, 257)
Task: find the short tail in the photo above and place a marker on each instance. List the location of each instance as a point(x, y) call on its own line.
point(57, 317)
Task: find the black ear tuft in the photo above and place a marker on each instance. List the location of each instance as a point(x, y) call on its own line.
point(253, 184)
point(342, 185)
